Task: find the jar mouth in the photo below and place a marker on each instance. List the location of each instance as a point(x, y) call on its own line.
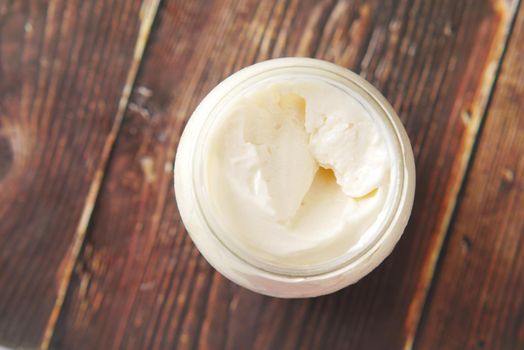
point(379, 109)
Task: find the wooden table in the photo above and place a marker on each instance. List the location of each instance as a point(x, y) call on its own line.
point(93, 98)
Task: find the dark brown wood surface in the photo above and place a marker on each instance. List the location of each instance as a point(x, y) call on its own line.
point(478, 296)
point(63, 68)
point(93, 254)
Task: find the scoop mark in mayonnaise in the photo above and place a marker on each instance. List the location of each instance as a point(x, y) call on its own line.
point(297, 170)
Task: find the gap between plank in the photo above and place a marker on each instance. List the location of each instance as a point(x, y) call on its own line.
point(147, 16)
point(508, 13)
point(460, 195)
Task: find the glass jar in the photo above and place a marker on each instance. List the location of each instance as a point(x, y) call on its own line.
point(239, 265)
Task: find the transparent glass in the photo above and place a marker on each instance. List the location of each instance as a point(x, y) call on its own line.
point(228, 256)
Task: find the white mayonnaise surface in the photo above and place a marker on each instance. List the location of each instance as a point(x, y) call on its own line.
point(297, 172)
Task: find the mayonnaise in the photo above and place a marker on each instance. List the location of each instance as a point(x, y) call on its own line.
point(297, 170)
point(294, 177)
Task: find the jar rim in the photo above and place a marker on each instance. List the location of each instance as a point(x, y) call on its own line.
point(228, 90)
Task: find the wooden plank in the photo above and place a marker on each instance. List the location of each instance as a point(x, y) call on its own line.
point(141, 283)
point(477, 300)
point(66, 70)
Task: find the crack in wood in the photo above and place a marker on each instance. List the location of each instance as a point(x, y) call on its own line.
point(506, 13)
point(148, 13)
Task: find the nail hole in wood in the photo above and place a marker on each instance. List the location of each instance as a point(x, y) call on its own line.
point(466, 244)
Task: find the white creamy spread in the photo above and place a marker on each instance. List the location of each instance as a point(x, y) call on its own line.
point(297, 171)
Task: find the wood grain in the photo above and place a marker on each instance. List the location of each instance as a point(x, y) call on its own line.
point(477, 301)
point(64, 68)
point(140, 283)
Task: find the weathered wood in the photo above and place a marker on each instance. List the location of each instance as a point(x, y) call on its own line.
point(140, 283)
point(477, 301)
point(64, 68)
